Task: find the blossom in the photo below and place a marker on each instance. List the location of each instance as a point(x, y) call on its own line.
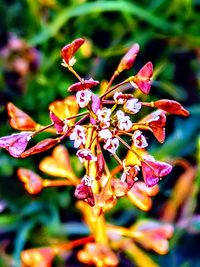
point(111, 145)
point(78, 135)
point(103, 114)
point(105, 134)
point(15, 144)
point(83, 97)
point(139, 139)
point(132, 106)
point(85, 155)
point(125, 123)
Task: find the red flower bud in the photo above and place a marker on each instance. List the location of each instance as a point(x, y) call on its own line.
point(40, 147)
point(154, 170)
point(129, 58)
point(32, 181)
point(69, 50)
point(86, 84)
point(172, 107)
point(143, 78)
point(100, 163)
point(58, 124)
point(19, 120)
point(15, 144)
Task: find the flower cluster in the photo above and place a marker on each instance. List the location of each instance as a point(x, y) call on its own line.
point(106, 123)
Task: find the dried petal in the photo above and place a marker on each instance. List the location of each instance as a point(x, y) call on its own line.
point(157, 125)
point(154, 235)
point(98, 254)
point(19, 120)
point(128, 59)
point(32, 181)
point(138, 196)
point(58, 124)
point(69, 50)
point(15, 144)
point(38, 257)
point(65, 108)
point(40, 147)
point(172, 107)
point(85, 84)
point(58, 164)
point(143, 78)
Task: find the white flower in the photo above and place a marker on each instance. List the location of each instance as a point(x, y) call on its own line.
point(132, 106)
point(119, 98)
point(125, 123)
point(111, 145)
point(120, 114)
point(87, 180)
point(85, 155)
point(139, 139)
point(103, 115)
point(78, 135)
point(83, 97)
point(105, 134)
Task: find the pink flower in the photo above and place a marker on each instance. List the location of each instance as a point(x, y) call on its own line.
point(132, 106)
point(139, 139)
point(15, 144)
point(78, 135)
point(83, 97)
point(120, 114)
point(85, 155)
point(111, 145)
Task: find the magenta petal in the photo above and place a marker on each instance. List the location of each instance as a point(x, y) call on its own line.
point(58, 124)
point(81, 191)
point(15, 144)
point(96, 101)
point(144, 86)
point(160, 168)
point(150, 178)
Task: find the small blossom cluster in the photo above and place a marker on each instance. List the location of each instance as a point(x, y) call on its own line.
point(106, 122)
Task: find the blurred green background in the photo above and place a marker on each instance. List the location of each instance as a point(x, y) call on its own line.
point(169, 35)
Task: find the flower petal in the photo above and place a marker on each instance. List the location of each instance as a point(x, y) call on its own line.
point(69, 50)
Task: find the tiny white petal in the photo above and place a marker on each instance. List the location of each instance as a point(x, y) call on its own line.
point(83, 97)
point(105, 134)
point(120, 114)
point(103, 115)
point(132, 106)
point(111, 145)
point(139, 139)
